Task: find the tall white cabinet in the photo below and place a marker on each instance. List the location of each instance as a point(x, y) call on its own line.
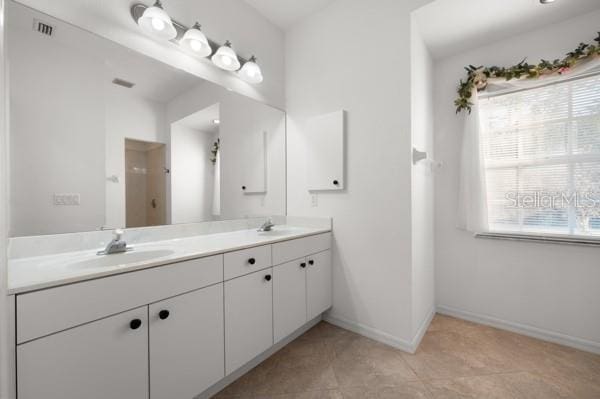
point(325, 152)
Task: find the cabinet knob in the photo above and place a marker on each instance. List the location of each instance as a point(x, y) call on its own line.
point(268, 277)
point(303, 265)
point(135, 324)
point(335, 182)
point(243, 187)
point(252, 261)
point(311, 262)
point(163, 314)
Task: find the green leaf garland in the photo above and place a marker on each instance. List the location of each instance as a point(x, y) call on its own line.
point(477, 77)
point(215, 151)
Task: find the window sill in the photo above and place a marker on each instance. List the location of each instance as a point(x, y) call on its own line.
point(584, 241)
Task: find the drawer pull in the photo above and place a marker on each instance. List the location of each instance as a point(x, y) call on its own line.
point(268, 277)
point(135, 324)
point(252, 261)
point(311, 262)
point(303, 265)
point(163, 314)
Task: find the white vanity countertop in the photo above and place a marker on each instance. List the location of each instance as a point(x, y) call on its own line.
point(34, 273)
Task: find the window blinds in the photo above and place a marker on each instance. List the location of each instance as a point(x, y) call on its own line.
point(541, 155)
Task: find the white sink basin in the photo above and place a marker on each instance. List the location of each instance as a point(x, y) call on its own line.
point(125, 258)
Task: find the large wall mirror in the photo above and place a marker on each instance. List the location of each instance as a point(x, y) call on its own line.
point(103, 137)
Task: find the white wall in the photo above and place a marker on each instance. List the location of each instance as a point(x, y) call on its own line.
point(235, 20)
point(241, 116)
point(422, 182)
point(57, 131)
point(550, 287)
point(355, 55)
point(192, 175)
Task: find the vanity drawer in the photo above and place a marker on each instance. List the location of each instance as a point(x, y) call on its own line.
point(55, 309)
point(246, 261)
point(289, 250)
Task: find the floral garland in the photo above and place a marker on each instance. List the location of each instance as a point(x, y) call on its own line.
point(477, 77)
point(215, 151)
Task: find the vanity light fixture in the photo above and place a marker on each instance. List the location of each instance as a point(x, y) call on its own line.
point(157, 23)
point(251, 72)
point(196, 42)
point(216, 121)
point(547, 1)
point(225, 58)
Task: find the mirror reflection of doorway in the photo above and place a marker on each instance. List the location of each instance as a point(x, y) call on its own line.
point(195, 167)
point(145, 183)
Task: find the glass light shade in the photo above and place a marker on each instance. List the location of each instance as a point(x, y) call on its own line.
point(225, 58)
point(196, 42)
point(156, 22)
point(251, 72)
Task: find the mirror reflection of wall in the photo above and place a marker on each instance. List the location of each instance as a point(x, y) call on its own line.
point(79, 102)
point(195, 174)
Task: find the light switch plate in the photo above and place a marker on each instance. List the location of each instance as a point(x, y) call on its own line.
point(68, 199)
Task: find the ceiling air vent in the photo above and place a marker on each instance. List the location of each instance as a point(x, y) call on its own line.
point(124, 83)
point(42, 27)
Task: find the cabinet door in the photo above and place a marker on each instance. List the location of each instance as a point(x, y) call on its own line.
point(107, 358)
point(186, 343)
point(289, 298)
point(318, 283)
point(325, 152)
point(248, 318)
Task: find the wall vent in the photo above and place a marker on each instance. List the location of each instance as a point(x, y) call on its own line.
point(43, 27)
point(124, 83)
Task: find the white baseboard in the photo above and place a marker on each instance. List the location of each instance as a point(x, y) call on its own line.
point(381, 336)
point(530, 331)
point(416, 341)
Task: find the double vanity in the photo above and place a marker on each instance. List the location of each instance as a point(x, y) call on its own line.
point(168, 319)
point(195, 292)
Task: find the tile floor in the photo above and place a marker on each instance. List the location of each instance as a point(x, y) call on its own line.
point(456, 359)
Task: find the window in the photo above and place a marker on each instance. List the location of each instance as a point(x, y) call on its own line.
point(541, 155)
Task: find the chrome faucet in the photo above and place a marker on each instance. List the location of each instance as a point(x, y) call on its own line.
point(116, 245)
point(267, 225)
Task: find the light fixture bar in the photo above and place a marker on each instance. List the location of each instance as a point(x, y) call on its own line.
point(137, 10)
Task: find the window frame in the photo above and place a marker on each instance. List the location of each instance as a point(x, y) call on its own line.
point(569, 159)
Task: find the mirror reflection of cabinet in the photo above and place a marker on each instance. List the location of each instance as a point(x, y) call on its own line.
point(325, 149)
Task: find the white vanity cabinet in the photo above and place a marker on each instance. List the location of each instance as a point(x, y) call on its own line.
point(248, 318)
point(302, 290)
point(193, 322)
point(289, 298)
point(107, 358)
point(318, 283)
point(186, 343)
